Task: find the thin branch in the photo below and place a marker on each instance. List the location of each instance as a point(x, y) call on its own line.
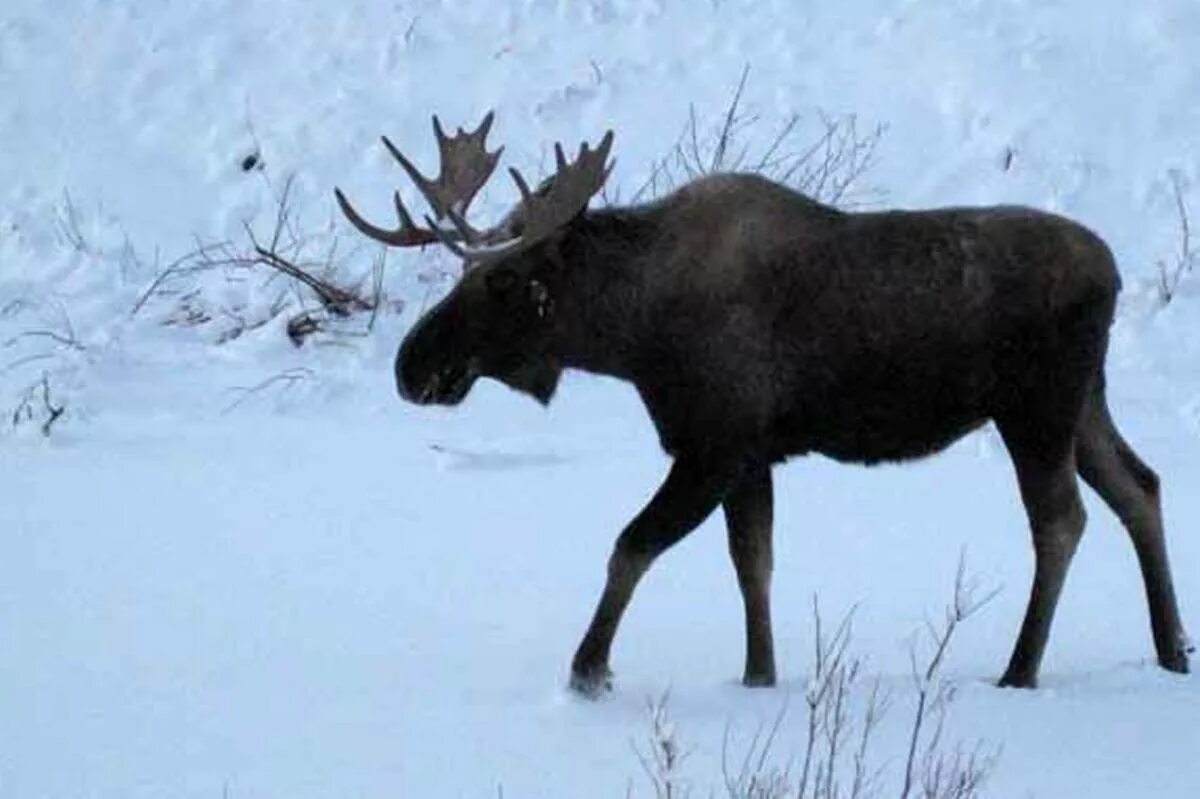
point(25, 361)
point(67, 221)
point(964, 605)
point(66, 341)
point(288, 378)
point(1171, 275)
point(200, 254)
point(723, 138)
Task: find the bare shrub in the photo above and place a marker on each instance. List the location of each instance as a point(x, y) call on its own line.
point(835, 760)
point(843, 712)
point(828, 166)
point(1171, 272)
point(57, 328)
point(317, 291)
point(663, 757)
point(67, 225)
point(49, 345)
point(35, 406)
point(932, 770)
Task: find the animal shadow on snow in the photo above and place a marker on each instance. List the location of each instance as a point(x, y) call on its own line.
point(494, 459)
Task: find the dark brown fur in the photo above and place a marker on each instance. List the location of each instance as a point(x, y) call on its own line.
point(757, 324)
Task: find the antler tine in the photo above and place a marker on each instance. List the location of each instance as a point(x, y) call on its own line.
point(522, 186)
point(484, 126)
point(405, 219)
point(414, 174)
point(406, 235)
point(558, 201)
point(605, 146)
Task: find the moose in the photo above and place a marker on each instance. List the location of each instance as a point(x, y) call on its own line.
point(758, 324)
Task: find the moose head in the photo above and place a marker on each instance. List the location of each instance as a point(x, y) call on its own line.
point(497, 322)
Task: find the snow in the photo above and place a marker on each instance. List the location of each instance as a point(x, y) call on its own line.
point(215, 581)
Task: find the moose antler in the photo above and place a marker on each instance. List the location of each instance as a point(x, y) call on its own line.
point(465, 167)
point(541, 213)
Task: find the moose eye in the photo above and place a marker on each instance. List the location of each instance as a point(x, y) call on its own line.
point(501, 282)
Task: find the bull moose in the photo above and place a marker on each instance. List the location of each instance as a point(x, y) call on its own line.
point(756, 324)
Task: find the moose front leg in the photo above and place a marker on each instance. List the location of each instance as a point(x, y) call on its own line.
point(693, 489)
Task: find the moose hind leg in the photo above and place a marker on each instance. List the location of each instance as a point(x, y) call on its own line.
point(1131, 488)
point(693, 489)
point(1046, 475)
point(748, 515)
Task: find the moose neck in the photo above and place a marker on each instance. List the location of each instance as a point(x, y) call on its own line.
point(599, 291)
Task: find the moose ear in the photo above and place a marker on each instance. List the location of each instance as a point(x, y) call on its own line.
point(539, 295)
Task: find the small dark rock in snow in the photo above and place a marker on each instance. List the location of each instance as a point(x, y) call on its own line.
point(252, 162)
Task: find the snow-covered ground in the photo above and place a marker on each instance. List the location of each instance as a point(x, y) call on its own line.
point(238, 568)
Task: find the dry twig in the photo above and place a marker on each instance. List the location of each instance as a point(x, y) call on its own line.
point(24, 411)
point(1170, 275)
point(664, 757)
point(287, 379)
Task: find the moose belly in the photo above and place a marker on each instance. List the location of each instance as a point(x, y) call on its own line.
point(872, 424)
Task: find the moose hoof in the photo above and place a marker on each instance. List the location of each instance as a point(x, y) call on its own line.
point(764, 680)
point(591, 683)
point(1176, 662)
point(1014, 680)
